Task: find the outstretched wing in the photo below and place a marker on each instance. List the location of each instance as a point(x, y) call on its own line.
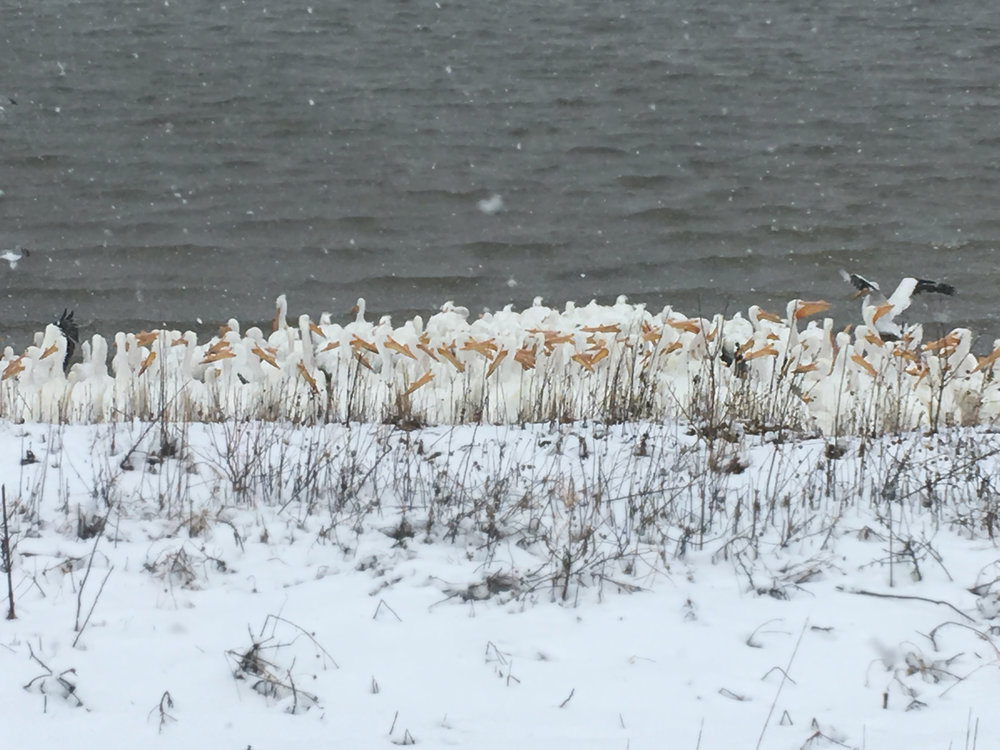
point(923, 285)
point(859, 282)
point(71, 331)
point(68, 326)
point(908, 287)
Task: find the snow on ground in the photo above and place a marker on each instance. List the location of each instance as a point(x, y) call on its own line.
point(263, 585)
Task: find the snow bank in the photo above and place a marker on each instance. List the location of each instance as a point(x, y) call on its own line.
point(261, 584)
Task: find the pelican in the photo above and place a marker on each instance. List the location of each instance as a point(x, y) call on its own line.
point(886, 310)
point(796, 310)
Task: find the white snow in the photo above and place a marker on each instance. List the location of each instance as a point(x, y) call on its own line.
point(578, 586)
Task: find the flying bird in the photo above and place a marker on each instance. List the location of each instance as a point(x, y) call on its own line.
point(883, 311)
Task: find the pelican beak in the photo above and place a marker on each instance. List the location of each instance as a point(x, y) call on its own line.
point(988, 360)
point(764, 351)
point(805, 309)
point(865, 364)
point(859, 293)
point(773, 317)
point(881, 311)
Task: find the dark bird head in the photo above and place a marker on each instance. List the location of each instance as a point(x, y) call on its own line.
point(71, 331)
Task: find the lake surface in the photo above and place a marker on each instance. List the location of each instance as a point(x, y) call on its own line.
point(181, 163)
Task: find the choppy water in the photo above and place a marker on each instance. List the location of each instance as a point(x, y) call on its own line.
point(187, 161)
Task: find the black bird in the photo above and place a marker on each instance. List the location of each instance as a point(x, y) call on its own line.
point(71, 331)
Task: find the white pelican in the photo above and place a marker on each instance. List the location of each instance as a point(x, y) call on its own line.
point(790, 350)
point(886, 310)
point(89, 380)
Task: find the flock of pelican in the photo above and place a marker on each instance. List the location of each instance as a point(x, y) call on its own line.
point(608, 362)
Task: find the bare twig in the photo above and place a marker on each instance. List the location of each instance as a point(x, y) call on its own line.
point(306, 633)
point(983, 635)
point(8, 562)
point(381, 603)
point(61, 679)
point(93, 604)
point(864, 592)
point(784, 678)
point(166, 701)
point(90, 563)
point(568, 698)
point(973, 730)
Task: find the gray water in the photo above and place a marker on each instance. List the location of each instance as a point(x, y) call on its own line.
point(177, 163)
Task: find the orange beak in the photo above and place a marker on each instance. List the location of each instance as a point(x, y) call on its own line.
point(764, 351)
point(881, 311)
point(805, 309)
point(865, 364)
point(988, 360)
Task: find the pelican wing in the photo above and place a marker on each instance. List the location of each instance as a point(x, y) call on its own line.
point(859, 282)
point(923, 285)
point(903, 296)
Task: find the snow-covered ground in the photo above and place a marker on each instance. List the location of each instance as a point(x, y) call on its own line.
point(583, 586)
